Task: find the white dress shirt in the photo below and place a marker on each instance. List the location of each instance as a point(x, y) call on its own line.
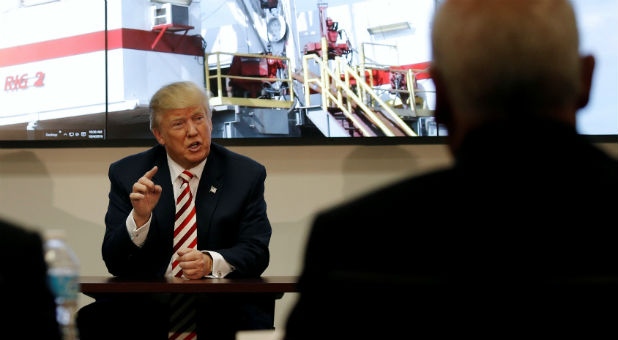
point(220, 267)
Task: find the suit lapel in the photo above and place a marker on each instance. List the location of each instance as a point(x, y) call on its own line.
point(208, 194)
point(165, 210)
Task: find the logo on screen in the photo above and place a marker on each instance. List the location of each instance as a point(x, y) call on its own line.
point(14, 83)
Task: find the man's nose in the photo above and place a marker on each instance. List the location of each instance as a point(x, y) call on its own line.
point(191, 129)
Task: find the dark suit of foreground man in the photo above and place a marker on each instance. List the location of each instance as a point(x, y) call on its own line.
point(233, 231)
point(29, 311)
point(517, 238)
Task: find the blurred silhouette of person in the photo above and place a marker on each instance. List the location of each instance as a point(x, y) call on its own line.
point(517, 237)
point(29, 310)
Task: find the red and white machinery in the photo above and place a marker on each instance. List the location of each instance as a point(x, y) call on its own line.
point(329, 29)
point(61, 59)
point(90, 65)
point(245, 66)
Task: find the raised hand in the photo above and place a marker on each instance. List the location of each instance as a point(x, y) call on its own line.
point(144, 197)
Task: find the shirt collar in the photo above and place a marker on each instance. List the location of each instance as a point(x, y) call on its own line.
point(176, 169)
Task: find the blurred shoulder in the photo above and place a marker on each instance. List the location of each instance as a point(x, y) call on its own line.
point(394, 200)
point(14, 237)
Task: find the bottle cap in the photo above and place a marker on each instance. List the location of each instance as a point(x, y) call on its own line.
point(58, 234)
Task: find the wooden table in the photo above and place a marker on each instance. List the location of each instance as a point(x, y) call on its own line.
point(222, 293)
point(95, 286)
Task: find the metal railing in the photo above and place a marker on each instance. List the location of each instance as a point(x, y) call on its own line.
point(334, 96)
point(218, 98)
point(365, 69)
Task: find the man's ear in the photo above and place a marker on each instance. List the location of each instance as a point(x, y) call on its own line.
point(443, 112)
point(587, 69)
point(157, 134)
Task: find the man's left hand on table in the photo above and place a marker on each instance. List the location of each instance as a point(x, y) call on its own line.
point(194, 263)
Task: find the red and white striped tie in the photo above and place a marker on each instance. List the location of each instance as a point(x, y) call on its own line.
point(182, 319)
point(185, 226)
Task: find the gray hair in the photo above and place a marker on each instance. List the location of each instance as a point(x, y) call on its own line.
point(178, 95)
point(507, 57)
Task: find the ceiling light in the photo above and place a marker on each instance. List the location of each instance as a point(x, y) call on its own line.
point(175, 2)
point(400, 26)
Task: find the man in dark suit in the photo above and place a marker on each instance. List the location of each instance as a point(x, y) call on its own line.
point(233, 231)
point(29, 310)
point(517, 237)
point(229, 227)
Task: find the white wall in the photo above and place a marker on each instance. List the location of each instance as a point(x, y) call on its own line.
point(67, 188)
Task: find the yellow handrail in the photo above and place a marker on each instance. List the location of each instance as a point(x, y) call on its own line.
point(363, 66)
point(363, 93)
point(349, 93)
point(348, 113)
point(307, 81)
point(220, 100)
point(368, 90)
point(324, 68)
point(250, 55)
point(410, 81)
point(367, 67)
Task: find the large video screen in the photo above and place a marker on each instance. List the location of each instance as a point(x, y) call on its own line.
point(288, 69)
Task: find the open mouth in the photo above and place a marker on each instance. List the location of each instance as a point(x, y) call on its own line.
point(195, 146)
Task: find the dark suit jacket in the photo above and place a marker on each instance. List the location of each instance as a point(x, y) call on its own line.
point(231, 221)
point(519, 234)
point(28, 306)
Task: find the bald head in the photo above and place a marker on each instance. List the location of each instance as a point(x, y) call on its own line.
point(507, 58)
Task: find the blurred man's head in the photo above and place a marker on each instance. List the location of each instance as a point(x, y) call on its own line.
point(509, 59)
point(180, 119)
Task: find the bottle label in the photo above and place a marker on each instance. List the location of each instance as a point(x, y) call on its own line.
point(64, 286)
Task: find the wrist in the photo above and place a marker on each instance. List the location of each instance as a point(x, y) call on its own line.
point(140, 220)
point(209, 263)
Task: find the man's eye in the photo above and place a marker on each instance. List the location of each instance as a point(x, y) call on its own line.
point(177, 124)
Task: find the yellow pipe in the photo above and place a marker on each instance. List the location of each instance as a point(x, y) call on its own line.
point(306, 81)
point(219, 87)
point(410, 84)
point(251, 102)
point(347, 85)
point(290, 81)
point(325, 80)
point(263, 56)
point(207, 72)
point(362, 72)
point(255, 78)
point(338, 73)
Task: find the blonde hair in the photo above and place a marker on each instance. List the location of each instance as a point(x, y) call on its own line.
point(178, 95)
point(507, 57)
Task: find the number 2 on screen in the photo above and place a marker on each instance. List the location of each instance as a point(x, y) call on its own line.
point(40, 76)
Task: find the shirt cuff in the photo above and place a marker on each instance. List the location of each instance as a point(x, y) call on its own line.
point(138, 236)
point(220, 267)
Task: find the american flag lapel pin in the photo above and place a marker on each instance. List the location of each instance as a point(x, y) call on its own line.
point(213, 190)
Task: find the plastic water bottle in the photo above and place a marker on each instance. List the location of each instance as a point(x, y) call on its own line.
point(63, 280)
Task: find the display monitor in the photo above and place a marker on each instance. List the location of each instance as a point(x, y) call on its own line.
point(287, 71)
